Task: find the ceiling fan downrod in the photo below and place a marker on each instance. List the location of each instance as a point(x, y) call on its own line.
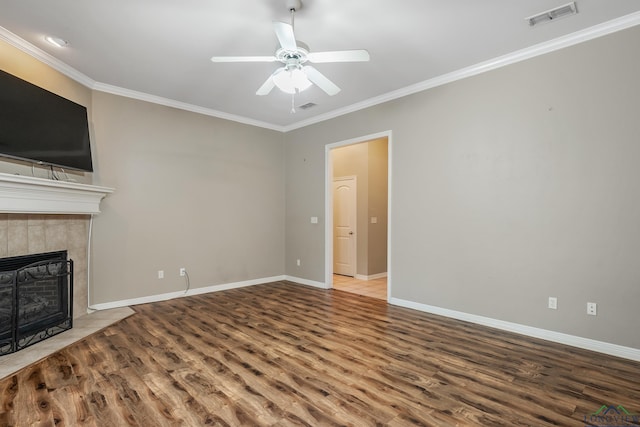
point(293, 6)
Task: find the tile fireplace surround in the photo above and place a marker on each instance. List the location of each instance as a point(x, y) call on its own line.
point(40, 215)
point(26, 234)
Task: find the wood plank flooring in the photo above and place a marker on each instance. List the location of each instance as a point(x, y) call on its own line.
point(283, 354)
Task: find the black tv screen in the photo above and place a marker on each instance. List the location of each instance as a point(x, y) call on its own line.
point(42, 127)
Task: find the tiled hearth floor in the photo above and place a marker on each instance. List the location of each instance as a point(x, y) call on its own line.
point(376, 288)
point(82, 327)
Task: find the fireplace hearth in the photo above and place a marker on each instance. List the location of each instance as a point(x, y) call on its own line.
point(36, 294)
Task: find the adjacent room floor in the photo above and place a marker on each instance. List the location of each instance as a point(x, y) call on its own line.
point(376, 288)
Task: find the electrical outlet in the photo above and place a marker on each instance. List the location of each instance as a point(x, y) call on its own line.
point(160, 274)
point(592, 308)
point(183, 271)
point(553, 303)
point(298, 262)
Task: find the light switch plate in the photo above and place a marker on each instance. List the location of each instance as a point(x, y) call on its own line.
point(314, 220)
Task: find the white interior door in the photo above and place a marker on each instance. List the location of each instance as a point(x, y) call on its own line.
point(344, 226)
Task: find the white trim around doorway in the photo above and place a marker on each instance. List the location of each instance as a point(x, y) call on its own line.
point(328, 205)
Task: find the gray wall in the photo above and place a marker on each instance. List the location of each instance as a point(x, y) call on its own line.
point(378, 197)
point(191, 191)
point(507, 188)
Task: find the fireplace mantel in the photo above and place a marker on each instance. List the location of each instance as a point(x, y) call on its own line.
point(25, 194)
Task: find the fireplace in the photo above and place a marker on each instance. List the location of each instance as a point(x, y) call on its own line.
point(36, 299)
point(40, 215)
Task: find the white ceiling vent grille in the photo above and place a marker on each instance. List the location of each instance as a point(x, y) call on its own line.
point(553, 14)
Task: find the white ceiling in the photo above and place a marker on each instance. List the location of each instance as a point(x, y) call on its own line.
point(162, 48)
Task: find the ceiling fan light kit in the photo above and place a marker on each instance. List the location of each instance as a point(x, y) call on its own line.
point(291, 80)
point(294, 76)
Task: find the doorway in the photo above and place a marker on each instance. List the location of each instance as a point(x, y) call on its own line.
point(357, 250)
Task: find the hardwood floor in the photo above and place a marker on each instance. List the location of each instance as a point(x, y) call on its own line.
point(284, 354)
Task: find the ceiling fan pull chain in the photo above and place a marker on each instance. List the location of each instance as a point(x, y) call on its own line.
point(293, 104)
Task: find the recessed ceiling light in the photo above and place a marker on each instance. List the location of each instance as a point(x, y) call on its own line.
point(57, 41)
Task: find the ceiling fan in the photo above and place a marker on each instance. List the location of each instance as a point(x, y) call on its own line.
point(295, 76)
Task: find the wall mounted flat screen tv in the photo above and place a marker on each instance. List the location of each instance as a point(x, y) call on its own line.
point(39, 126)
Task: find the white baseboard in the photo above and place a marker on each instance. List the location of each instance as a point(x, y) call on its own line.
point(371, 277)
point(307, 282)
point(558, 337)
point(179, 294)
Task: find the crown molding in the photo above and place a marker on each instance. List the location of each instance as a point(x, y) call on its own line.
point(577, 37)
point(141, 96)
point(44, 57)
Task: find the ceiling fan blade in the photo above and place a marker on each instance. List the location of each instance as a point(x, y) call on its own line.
point(358, 55)
point(284, 33)
point(244, 59)
point(266, 87)
point(321, 81)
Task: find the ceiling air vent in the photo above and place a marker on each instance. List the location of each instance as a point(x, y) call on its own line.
point(553, 14)
point(307, 106)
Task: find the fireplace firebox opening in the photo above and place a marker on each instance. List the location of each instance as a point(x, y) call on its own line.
point(36, 299)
